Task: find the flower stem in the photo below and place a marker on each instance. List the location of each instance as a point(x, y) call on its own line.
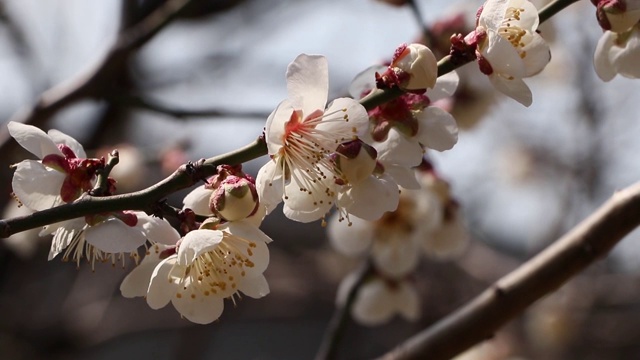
point(187, 175)
point(338, 323)
point(553, 8)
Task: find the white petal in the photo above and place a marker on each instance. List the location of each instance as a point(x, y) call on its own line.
point(404, 176)
point(161, 288)
point(493, 13)
point(503, 57)
point(270, 185)
point(365, 81)
point(371, 198)
point(201, 309)
point(246, 230)
point(255, 287)
point(515, 89)
point(114, 236)
point(157, 230)
point(625, 60)
point(275, 129)
point(63, 233)
point(198, 201)
point(59, 137)
point(258, 253)
point(601, 61)
point(351, 240)
point(437, 129)
point(357, 124)
point(407, 301)
point(448, 241)
point(400, 150)
point(445, 87)
point(397, 256)
point(197, 242)
point(136, 283)
point(308, 83)
point(37, 186)
point(374, 304)
point(537, 55)
point(33, 139)
point(528, 16)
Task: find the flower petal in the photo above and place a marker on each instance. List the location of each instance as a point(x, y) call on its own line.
point(350, 240)
point(515, 89)
point(625, 59)
point(33, 139)
point(255, 287)
point(503, 57)
point(161, 287)
point(246, 230)
point(437, 129)
point(136, 283)
point(536, 54)
point(270, 185)
point(407, 301)
point(275, 129)
point(395, 257)
point(445, 87)
point(200, 309)
point(374, 303)
point(198, 201)
point(493, 13)
point(365, 81)
point(308, 83)
point(197, 242)
point(357, 123)
point(114, 236)
point(601, 61)
point(59, 137)
point(157, 230)
point(63, 233)
point(404, 176)
point(400, 150)
point(37, 186)
point(371, 198)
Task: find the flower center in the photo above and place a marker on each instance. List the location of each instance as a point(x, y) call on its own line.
point(511, 30)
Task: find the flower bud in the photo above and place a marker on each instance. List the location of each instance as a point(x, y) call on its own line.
point(415, 66)
point(234, 199)
point(356, 161)
point(617, 15)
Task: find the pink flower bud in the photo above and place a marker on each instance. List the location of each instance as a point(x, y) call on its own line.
point(416, 67)
point(235, 198)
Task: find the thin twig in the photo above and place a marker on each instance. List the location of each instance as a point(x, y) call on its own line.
point(339, 320)
point(589, 241)
point(151, 105)
point(92, 83)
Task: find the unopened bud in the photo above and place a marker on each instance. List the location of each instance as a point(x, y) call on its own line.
point(234, 199)
point(355, 160)
point(416, 67)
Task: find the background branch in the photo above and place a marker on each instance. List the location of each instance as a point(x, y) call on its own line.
point(590, 240)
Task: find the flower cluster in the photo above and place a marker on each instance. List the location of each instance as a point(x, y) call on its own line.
point(343, 156)
point(426, 221)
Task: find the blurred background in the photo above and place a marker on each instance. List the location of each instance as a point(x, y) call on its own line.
point(522, 176)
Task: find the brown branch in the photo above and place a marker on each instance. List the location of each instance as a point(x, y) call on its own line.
point(589, 241)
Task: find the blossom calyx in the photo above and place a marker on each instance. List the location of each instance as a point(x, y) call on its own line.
point(414, 67)
point(234, 199)
point(617, 15)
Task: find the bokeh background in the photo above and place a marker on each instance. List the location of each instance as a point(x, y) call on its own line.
point(522, 176)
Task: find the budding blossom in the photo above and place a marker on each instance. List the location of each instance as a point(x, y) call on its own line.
point(61, 176)
point(199, 270)
point(509, 47)
point(301, 136)
point(618, 50)
point(379, 299)
point(400, 128)
point(413, 67)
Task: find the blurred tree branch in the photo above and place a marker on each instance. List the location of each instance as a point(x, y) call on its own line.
point(589, 241)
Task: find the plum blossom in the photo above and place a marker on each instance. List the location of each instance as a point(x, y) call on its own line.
point(301, 134)
point(101, 238)
point(61, 174)
point(426, 221)
point(201, 269)
point(618, 50)
point(509, 47)
point(379, 299)
point(401, 127)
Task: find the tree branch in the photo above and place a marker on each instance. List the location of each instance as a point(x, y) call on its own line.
point(187, 175)
point(589, 241)
point(91, 83)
